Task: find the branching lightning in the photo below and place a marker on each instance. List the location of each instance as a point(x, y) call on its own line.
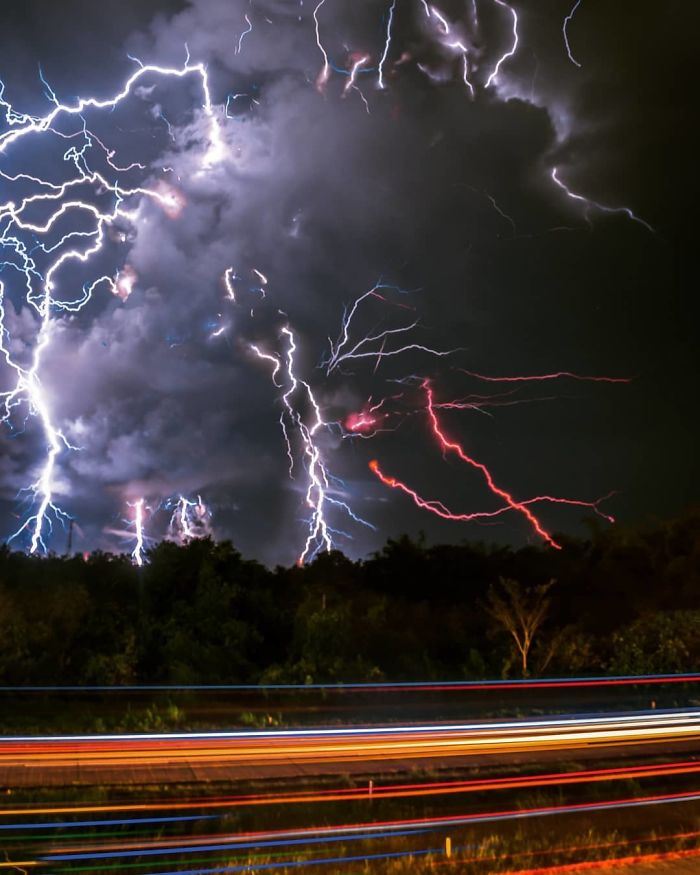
point(372, 346)
point(42, 286)
point(302, 413)
point(439, 509)
point(447, 445)
point(598, 206)
point(106, 202)
point(189, 519)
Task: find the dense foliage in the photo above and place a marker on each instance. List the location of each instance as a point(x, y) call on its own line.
point(622, 601)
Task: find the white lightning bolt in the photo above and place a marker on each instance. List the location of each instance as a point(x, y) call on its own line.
point(371, 345)
point(42, 288)
point(137, 554)
point(567, 22)
point(387, 44)
point(513, 48)
point(598, 206)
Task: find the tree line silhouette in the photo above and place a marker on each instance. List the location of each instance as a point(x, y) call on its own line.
point(620, 601)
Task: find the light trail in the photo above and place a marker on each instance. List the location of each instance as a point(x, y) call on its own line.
point(378, 686)
point(361, 831)
point(345, 794)
point(603, 863)
point(281, 750)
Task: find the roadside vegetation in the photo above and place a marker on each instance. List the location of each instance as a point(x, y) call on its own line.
point(623, 601)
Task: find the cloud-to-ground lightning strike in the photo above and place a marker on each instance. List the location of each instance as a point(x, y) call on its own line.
point(45, 299)
point(138, 553)
point(320, 483)
point(29, 243)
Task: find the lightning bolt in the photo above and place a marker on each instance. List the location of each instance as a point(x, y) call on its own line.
point(513, 48)
point(325, 72)
point(372, 345)
point(557, 375)
point(598, 206)
point(567, 22)
point(439, 509)
point(42, 287)
point(138, 553)
point(244, 34)
point(189, 520)
point(509, 503)
point(387, 45)
point(229, 277)
point(302, 412)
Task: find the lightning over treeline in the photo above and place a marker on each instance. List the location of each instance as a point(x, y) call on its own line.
point(183, 331)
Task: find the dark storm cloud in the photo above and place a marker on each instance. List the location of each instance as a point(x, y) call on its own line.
point(429, 191)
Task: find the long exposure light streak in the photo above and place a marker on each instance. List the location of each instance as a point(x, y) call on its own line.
point(381, 687)
point(360, 831)
point(349, 794)
point(367, 741)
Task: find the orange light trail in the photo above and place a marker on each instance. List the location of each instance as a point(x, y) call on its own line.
point(380, 791)
point(288, 750)
point(364, 829)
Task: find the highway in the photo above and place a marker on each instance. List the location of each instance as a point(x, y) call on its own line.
point(529, 794)
point(134, 758)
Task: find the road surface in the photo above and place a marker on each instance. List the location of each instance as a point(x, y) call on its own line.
point(180, 757)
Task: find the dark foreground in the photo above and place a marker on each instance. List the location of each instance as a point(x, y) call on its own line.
point(524, 791)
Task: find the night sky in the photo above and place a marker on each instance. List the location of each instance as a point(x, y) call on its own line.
point(326, 190)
